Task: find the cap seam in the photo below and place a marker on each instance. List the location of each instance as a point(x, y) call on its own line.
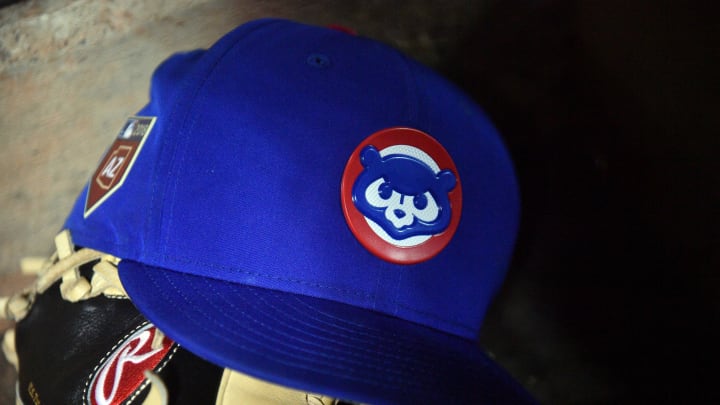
point(367, 332)
point(315, 347)
point(232, 342)
point(183, 260)
point(185, 125)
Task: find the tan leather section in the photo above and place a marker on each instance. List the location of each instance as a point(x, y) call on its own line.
point(158, 394)
point(238, 388)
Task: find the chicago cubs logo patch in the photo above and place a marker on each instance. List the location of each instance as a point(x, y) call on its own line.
point(401, 195)
point(119, 378)
point(117, 162)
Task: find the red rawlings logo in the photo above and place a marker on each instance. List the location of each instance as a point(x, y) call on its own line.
point(119, 376)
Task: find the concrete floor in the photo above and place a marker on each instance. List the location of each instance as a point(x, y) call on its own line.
point(609, 109)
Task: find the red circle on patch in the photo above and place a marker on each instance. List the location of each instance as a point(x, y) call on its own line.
point(360, 225)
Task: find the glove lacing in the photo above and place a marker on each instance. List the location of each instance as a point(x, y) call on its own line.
point(65, 264)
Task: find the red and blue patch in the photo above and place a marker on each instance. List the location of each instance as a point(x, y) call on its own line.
point(401, 195)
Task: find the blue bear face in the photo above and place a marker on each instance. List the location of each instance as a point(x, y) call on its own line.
point(402, 194)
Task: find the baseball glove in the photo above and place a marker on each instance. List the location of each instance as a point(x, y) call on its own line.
point(78, 339)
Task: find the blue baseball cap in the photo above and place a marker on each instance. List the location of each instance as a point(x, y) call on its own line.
point(315, 209)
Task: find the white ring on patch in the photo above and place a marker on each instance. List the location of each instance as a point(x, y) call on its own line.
point(411, 151)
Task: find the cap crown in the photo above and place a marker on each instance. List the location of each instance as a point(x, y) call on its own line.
point(240, 177)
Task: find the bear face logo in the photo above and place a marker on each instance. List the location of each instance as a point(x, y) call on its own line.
point(402, 194)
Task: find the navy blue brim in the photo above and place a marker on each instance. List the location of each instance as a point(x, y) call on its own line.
point(317, 345)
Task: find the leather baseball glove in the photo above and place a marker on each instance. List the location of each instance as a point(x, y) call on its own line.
point(78, 339)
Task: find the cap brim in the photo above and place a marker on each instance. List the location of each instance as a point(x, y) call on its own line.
point(314, 344)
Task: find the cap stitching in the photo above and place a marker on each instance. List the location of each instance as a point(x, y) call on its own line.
point(367, 329)
point(405, 366)
point(184, 127)
point(231, 342)
point(341, 331)
point(302, 282)
point(436, 317)
point(182, 260)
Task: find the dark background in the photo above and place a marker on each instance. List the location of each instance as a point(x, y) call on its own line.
point(610, 112)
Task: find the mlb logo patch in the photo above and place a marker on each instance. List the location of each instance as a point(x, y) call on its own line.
point(401, 195)
point(117, 162)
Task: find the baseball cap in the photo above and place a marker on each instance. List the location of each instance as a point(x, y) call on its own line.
point(315, 209)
